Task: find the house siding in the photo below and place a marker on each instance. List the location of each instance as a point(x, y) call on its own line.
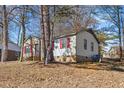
point(35, 49)
point(114, 52)
point(85, 54)
point(65, 54)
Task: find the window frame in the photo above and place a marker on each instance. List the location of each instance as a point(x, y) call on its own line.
point(85, 44)
point(92, 46)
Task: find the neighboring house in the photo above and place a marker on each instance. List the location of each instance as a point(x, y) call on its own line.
point(76, 47)
point(31, 48)
point(13, 51)
point(106, 55)
point(114, 52)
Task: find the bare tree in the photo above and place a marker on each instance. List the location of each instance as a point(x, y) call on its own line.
point(46, 31)
point(43, 35)
point(23, 32)
point(5, 36)
point(76, 17)
point(4, 25)
point(47, 34)
point(25, 13)
point(114, 16)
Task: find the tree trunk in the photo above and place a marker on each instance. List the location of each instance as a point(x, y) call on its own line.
point(5, 36)
point(51, 41)
point(22, 43)
point(46, 30)
point(47, 34)
point(43, 45)
point(31, 49)
point(46, 25)
point(40, 58)
point(23, 35)
point(119, 29)
point(49, 48)
point(120, 45)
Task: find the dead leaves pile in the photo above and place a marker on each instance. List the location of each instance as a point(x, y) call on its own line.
point(36, 75)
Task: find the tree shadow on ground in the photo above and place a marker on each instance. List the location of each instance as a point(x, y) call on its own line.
point(108, 66)
point(42, 65)
point(118, 66)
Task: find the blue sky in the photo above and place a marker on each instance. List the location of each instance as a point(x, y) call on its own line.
point(33, 28)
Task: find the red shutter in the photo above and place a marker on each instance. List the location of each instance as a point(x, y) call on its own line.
point(60, 43)
point(53, 44)
point(24, 49)
point(68, 42)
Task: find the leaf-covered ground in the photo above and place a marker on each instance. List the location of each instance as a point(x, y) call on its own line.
point(14, 74)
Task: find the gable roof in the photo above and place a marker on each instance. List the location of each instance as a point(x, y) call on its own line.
point(12, 46)
point(75, 33)
point(91, 32)
point(31, 37)
point(114, 47)
point(62, 36)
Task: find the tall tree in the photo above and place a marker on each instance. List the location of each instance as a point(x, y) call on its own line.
point(47, 34)
point(5, 36)
point(23, 31)
point(114, 16)
point(43, 46)
point(73, 18)
point(46, 31)
point(25, 14)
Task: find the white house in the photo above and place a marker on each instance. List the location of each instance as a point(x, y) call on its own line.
point(31, 48)
point(114, 52)
point(76, 47)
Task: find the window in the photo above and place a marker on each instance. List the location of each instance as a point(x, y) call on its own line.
point(64, 43)
point(27, 49)
point(56, 42)
point(85, 44)
point(92, 46)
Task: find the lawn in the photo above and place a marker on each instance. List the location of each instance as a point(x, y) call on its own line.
point(35, 74)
